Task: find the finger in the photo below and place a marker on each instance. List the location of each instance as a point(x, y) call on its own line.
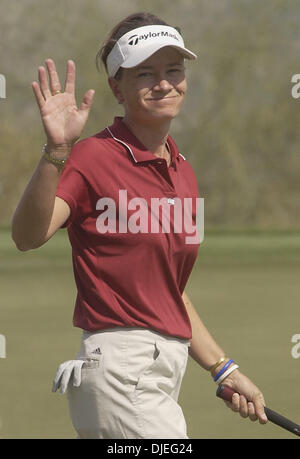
point(56, 380)
point(77, 373)
point(70, 77)
point(251, 410)
point(87, 100)
point(38, 95)
point(235, 403)
point(243, 407)
point(53, 77)
point(233, 406)
point(44, 83)
point(59, 372)
point(66, 377)
point(259, 406)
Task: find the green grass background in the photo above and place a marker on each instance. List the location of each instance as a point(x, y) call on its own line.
point(245, 286)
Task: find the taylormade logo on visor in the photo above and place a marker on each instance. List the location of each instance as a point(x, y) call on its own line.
point(134, 39)
point(149, 39)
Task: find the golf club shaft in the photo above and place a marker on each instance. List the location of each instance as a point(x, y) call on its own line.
point(226, 393)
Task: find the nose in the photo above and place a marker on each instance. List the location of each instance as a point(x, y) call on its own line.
point(162, 84)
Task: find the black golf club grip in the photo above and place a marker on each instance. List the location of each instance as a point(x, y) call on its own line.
point(226, 393)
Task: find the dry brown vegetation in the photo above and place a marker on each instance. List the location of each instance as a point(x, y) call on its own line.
point(239, 126)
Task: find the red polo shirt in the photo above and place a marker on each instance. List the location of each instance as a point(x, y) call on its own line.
point(130, 265)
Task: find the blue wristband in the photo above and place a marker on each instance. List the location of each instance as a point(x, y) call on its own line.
point(223, 369)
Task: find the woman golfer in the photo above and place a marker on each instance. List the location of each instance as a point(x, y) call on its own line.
point(131, 257)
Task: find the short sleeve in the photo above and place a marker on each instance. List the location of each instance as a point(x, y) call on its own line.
point(73, 188)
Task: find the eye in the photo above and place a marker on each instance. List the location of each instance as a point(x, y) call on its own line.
point(176, 70)
point(144, 74)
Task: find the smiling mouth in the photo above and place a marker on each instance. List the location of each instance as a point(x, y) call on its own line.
point(163, 98)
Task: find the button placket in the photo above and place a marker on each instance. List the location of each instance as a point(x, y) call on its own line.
point(163, 170)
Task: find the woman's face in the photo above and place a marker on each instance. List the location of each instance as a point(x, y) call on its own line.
point(154, 90)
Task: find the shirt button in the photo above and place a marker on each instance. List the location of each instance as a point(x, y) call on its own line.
point(171, 201)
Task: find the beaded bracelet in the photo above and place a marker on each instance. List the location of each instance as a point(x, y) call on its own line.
point(50, 159)
point(223, 369)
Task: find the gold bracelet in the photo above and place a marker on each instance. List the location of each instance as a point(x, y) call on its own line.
point(57, 162)
point(215, 365)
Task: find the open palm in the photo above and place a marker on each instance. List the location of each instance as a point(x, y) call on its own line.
point(63, 121)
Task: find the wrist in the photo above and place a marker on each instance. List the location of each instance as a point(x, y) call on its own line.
point(60, 151)
point(227, 370)
point(214, 369)
point(231, 378)
point(57, 154)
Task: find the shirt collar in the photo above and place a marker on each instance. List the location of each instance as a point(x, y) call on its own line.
point(139, 153)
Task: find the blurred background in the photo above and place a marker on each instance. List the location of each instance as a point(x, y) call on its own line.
point(238, 129)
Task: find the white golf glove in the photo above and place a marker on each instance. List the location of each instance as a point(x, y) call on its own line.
point(66, 371)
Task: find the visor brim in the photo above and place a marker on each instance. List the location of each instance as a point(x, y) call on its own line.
point(147, 51)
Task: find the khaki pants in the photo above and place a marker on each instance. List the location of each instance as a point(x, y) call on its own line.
point(130, 385)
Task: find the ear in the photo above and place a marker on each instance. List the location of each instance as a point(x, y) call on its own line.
point(115, 87)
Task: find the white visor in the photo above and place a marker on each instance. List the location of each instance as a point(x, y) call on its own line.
point(136, 46)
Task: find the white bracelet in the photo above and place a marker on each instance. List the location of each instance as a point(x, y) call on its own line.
point(227, 372)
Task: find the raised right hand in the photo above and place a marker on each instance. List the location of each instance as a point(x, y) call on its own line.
point(62, 120)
